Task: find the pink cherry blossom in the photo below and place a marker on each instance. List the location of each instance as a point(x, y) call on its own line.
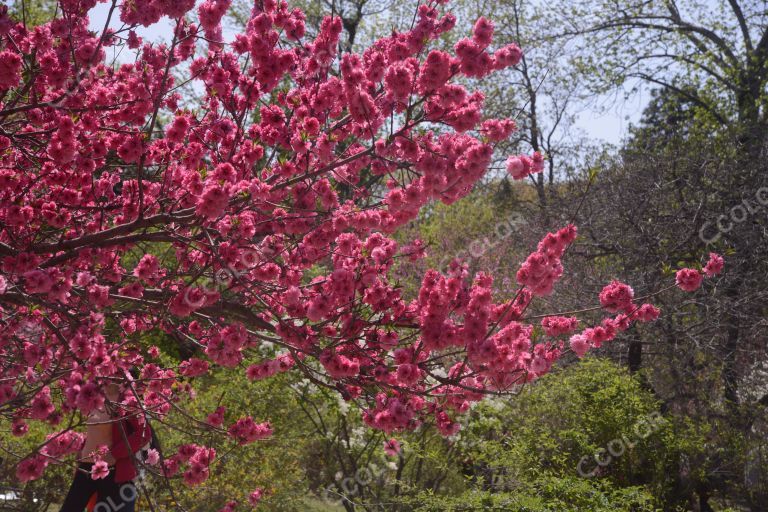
point(688, 279)
point(153, 457)
point(31, 468)
point(392, 447)
point(579, 344)
point(617, 297)
point(10, 66)
point(255, 497)
point(99, 470)
point(646, 313)
point(714, 266)
point(559, 325)
point(246, 431)
point(483, 32)
point(507, 56)
point(216, 418)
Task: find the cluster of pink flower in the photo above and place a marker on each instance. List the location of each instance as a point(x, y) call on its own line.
point(475, 61)
point(394, 412)
point(31, 468)
point(246, 431)
point(10, 68)
point(543, 268)
point(522, 166)
point(254, 498)
point(618, 298)
point(558, 325)
point(58, 445)
point(689, 279)
point(196, 459)
point(270, 367)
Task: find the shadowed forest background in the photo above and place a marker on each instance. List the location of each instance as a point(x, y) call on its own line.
point(671, 416)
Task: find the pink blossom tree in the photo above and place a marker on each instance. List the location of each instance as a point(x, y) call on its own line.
point(238, 219)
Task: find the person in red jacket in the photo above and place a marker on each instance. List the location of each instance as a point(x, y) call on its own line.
point(108, 475)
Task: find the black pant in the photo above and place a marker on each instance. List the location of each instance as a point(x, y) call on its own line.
point(111, 496)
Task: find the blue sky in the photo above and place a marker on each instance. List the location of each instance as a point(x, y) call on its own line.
point(608, 120)
point(612, 124)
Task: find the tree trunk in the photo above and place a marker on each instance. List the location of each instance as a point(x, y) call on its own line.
point(635, 355)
